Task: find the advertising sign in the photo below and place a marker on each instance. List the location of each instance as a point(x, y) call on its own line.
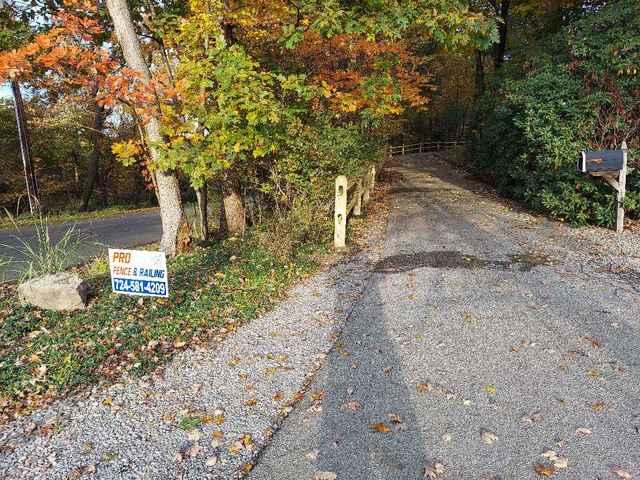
point(138, 272)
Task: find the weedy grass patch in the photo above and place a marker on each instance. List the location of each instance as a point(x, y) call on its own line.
point(45, 355)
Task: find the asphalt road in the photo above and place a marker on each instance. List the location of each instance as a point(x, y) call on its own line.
point(489, 343)
point(121, 231)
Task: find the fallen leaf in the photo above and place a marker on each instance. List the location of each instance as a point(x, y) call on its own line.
point(247, 467)
point(30, 428)
point(423, 387)
point(558, 462)
point(598, 407)
point(194, 451)
point(325, 476)
point(352, 406)
point(561, 462)
point(278, 397)
point(247, 441)
point(583, 431)
point(379, 427)
point(318, 396)
point(593, 374)
point(252, 402)
point(235, 447)
point(490, 389)
point(488, 437)
point(312, 455)
point(545, 470)
point(179, 343)
point(211, 461)
point(594, 343)
point(434, 470)
point(622, 473)
point(394, 418)
point(218, 418)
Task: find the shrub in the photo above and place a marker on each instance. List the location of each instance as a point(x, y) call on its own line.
point(580, 91)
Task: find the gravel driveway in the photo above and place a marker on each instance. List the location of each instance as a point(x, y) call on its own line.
point(489, 344)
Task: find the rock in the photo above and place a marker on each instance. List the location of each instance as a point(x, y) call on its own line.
point(60, 291)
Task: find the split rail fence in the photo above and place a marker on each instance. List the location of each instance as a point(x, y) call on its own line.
point(423, 147)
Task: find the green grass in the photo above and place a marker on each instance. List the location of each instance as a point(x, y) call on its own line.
point(69, 215)
point(44, 355)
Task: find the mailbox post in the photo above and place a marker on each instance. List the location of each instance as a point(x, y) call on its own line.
point(608, 165)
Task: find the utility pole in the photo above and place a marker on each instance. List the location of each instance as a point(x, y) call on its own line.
point(25, 150)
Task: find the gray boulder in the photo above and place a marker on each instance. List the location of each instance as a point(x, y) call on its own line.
point(60, 291)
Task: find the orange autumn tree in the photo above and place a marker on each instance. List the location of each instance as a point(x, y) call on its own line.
point(77, 51)
point(68, 62)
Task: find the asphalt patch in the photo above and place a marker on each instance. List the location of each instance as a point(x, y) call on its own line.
point(454, 259)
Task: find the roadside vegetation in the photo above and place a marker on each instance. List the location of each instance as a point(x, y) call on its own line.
point(213, 290)
point(574, 85)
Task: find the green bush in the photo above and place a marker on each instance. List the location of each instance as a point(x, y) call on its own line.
point(581, 90)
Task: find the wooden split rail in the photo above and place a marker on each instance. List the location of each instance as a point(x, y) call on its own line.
point(423, 147)
point(352, 195)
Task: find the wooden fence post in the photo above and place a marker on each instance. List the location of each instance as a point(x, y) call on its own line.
point(357, 207)
point(340, 232)
point(622, 186)
point(372, 185)
point(366, 196)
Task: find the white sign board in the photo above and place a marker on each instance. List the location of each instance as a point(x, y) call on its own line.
point(137, 272)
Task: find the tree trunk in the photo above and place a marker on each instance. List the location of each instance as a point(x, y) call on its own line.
point(233, 206)
point(480, 85)
point(25, 149)
point(234, 214)
point(94, 157)
point(171, 211)
point(503, 28)
point(203, 204)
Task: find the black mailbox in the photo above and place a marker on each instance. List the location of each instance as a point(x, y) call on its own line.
point(605, 161)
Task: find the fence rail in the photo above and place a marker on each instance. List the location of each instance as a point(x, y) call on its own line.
point(423, 147)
